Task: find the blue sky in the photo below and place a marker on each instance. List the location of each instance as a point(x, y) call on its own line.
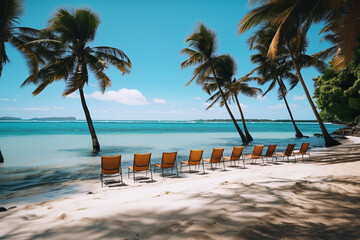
point(152, 34)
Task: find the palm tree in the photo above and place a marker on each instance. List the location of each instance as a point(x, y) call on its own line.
point(71, 32)
point(201, 52)
point(288, 17)
point(273, 71)
point(341, 17)
point(225, 68)
point(10, 11)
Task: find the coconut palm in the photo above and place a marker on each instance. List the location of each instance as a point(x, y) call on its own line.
point(273, 71)
point(225, 68)
point(10, 11)
point(341, 17)
point(71, 31)
point(201, 52)
point(291, 18)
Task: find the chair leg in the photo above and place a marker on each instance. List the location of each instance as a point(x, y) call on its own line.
point(134, 175)
point(162, 171)
point(152, 175)
point(101, 180)
point(203, 166)
point(177, 172)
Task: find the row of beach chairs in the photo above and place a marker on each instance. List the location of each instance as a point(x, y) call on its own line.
point(111, 165)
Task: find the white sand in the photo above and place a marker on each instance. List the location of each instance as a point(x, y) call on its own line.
point(315, 199)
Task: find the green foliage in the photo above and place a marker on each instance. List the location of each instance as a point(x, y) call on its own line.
point(337, 93)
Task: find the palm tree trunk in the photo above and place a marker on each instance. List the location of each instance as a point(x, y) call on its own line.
point(329, 141)
point(95, 142)
point(297, 131)
point(1, 157)
point(248, 136)
point(244, 140)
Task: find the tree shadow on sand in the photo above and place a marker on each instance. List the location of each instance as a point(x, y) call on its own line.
point(323, 209)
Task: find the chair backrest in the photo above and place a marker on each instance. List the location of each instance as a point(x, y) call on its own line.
point(289, 149)
point(195, 156)
point(141, 161)
point(270, 151)
point(168, 159)
point(257, 150)
point(216, 155)
point(110, 164)
point(304, 147)
point(236, 153)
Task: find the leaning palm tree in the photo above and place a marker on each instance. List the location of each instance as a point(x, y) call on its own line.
point(201, 52)
point(273, 71)
point(291, 18)
point(10, 11)
point(71, 31)
point(225, 68)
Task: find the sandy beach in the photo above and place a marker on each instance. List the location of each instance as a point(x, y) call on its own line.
point(315, 199)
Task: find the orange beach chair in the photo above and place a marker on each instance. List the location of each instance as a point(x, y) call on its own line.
point(288, 152)
point(110, 168)
point(303, 150)
point(256, 154)
point(270, 152)
point(141, 163)
point(216, 157)
point(236, 155)
point(168, 161)
point(195, 158)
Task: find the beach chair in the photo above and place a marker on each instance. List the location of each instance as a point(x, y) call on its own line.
point(141, 163)
point(236, 155)
point(256, 154)
point(110, 168)
point(303, 150)
point(168, 161)
point(216, 157)
point(288, 152)
point(270, 152)
point(195, 158)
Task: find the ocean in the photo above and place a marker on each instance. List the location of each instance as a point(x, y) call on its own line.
point(43, 159)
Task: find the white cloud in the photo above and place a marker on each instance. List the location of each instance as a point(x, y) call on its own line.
point(58, 108)
point(277, 106)
point(243, 106)
point(296, 97)
point(8, 99)
point(73, 95)
point(261, 98)
point(123, 96)
point(159, 100)
point(197, 98)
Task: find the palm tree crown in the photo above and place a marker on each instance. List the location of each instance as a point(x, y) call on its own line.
point(201, 52)
point(10, 11)
point(69, 33)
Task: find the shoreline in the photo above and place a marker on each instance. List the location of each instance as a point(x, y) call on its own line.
point(317, 198)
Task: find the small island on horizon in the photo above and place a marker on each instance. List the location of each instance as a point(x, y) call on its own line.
point(43, 118)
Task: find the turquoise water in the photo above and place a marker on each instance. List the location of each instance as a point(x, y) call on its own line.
point(43, 158)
